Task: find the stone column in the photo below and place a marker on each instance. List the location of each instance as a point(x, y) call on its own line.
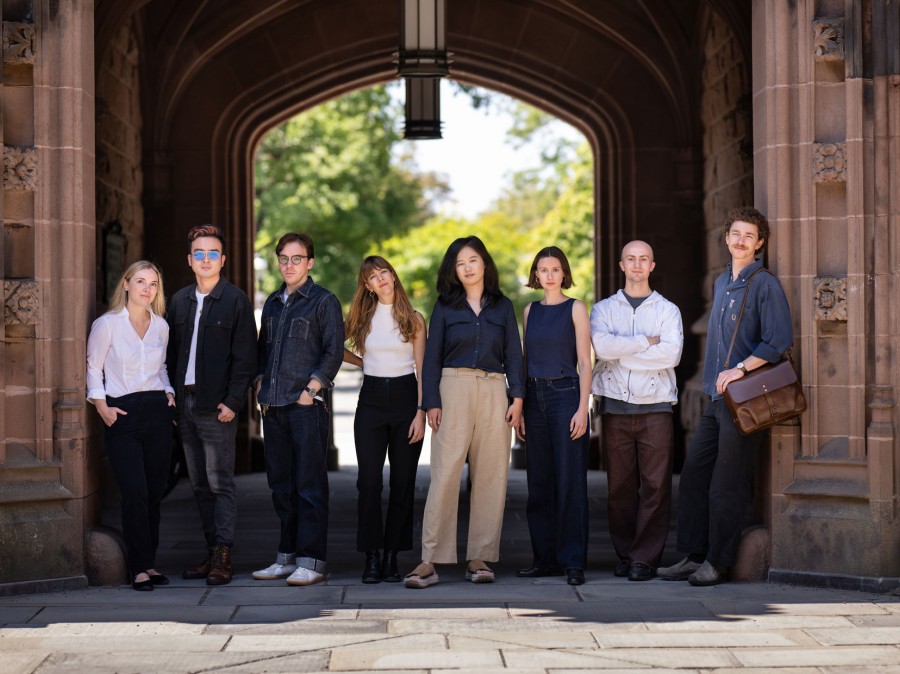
point(826, 101)
point(48, 286)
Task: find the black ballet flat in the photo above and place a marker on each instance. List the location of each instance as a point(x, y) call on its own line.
point(142, 585)
point(159, 579)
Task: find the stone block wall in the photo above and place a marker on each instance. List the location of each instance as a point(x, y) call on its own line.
point(826, 101)
point(120, 216)
point(725, 113)
point(47, 260)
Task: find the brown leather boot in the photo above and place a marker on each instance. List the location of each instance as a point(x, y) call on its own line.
point(201, 570)
point(220, 574)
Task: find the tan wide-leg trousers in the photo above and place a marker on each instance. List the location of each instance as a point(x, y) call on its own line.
point(473, 407)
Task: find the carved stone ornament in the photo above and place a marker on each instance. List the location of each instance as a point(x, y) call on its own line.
point(831, 298)
point(21, 302)
point(19, 169)
point(830, 162)
point(828, 39)
point(18, 42)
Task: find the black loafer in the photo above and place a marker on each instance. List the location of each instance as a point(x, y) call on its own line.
point(622, 569)
point(575, 577)
point(159, 579)
point(539, 572)
point(640, 571)
point(142, 585)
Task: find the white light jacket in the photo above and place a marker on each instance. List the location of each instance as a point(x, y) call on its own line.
point(628, 368)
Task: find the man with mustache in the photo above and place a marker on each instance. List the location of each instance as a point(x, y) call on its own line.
point(717, 479)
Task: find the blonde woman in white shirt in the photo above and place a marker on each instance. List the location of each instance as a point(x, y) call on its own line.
point(128, 384)
point(387, 339)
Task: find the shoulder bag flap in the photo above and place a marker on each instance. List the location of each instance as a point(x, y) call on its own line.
point(762, 380)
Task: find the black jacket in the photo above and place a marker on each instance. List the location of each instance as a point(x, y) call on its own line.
point(226, 345)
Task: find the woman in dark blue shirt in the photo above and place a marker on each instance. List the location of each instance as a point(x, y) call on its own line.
point(473, 352)
point(558, 362)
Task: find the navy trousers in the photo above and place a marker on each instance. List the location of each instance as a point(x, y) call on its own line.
point(557, 475)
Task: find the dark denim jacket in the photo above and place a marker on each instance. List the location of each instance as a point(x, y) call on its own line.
point(458, 338)
point(300, 340)
point(765, 330)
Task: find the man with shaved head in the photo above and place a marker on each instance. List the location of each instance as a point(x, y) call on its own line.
point(638, 337)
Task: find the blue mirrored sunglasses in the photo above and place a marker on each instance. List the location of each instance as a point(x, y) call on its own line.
point(211, 254)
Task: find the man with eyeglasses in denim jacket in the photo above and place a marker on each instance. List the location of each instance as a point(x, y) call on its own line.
point(212, 361)
point(300, 349)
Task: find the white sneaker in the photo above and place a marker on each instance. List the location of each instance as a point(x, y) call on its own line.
point(305, 577)
point(275, 571)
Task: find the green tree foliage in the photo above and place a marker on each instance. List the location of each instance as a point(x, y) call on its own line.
point(417, 255)
point(549, 204)
point(329, 172)
point(334, 172)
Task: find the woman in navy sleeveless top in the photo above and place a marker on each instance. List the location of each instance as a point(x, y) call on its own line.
point(555, 422)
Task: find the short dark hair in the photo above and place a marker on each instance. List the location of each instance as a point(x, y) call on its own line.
point(554, 252)
point(450, 290)
point(206, 230)
point(303, 239)
point(752, 216)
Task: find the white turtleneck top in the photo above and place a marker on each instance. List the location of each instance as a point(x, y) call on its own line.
point(386, 354)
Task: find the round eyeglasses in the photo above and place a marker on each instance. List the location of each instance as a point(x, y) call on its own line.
point(293, 259)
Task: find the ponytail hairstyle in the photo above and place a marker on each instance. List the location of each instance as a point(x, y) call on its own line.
point(359, 319)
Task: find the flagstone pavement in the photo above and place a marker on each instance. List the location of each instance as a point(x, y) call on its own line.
point(513, 625)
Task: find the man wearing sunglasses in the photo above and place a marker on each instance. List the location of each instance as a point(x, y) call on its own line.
point(212, 361)
point(301, 346)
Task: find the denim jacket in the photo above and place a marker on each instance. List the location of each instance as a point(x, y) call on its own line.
point(765, 330)
point(299, 340)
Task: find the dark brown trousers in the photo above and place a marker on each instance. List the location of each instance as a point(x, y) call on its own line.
point(638, 450)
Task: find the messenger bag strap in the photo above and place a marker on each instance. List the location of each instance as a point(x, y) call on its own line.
point(741, 313)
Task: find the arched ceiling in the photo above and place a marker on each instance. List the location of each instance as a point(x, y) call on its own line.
point(635, 58)
point(217, 74)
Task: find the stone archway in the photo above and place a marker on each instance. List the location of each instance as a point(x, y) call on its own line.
point(628, 75)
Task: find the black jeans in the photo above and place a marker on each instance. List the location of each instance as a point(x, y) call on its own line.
point(386, 408)
point(296, 442)
point(716, 486)
point(209, 447)
point(139, 447)
point(556, 466)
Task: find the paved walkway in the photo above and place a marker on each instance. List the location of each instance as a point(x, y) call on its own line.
point(514, 625)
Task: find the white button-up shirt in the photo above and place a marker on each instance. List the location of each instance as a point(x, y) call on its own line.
point(119, 362)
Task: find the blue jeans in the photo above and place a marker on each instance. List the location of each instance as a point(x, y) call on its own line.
point(557, 474)
point(209, 453)
point(296, 442)
point(716, 486)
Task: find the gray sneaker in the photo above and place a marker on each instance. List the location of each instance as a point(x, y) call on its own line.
point(707, 574)
point(283, 567)
point(679, 571)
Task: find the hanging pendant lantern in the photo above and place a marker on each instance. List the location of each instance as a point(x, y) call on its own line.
point(423, 108)
point(423, 39)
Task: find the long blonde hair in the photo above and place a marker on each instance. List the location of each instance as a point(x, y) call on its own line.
point(120, 297)
point(359, 319)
